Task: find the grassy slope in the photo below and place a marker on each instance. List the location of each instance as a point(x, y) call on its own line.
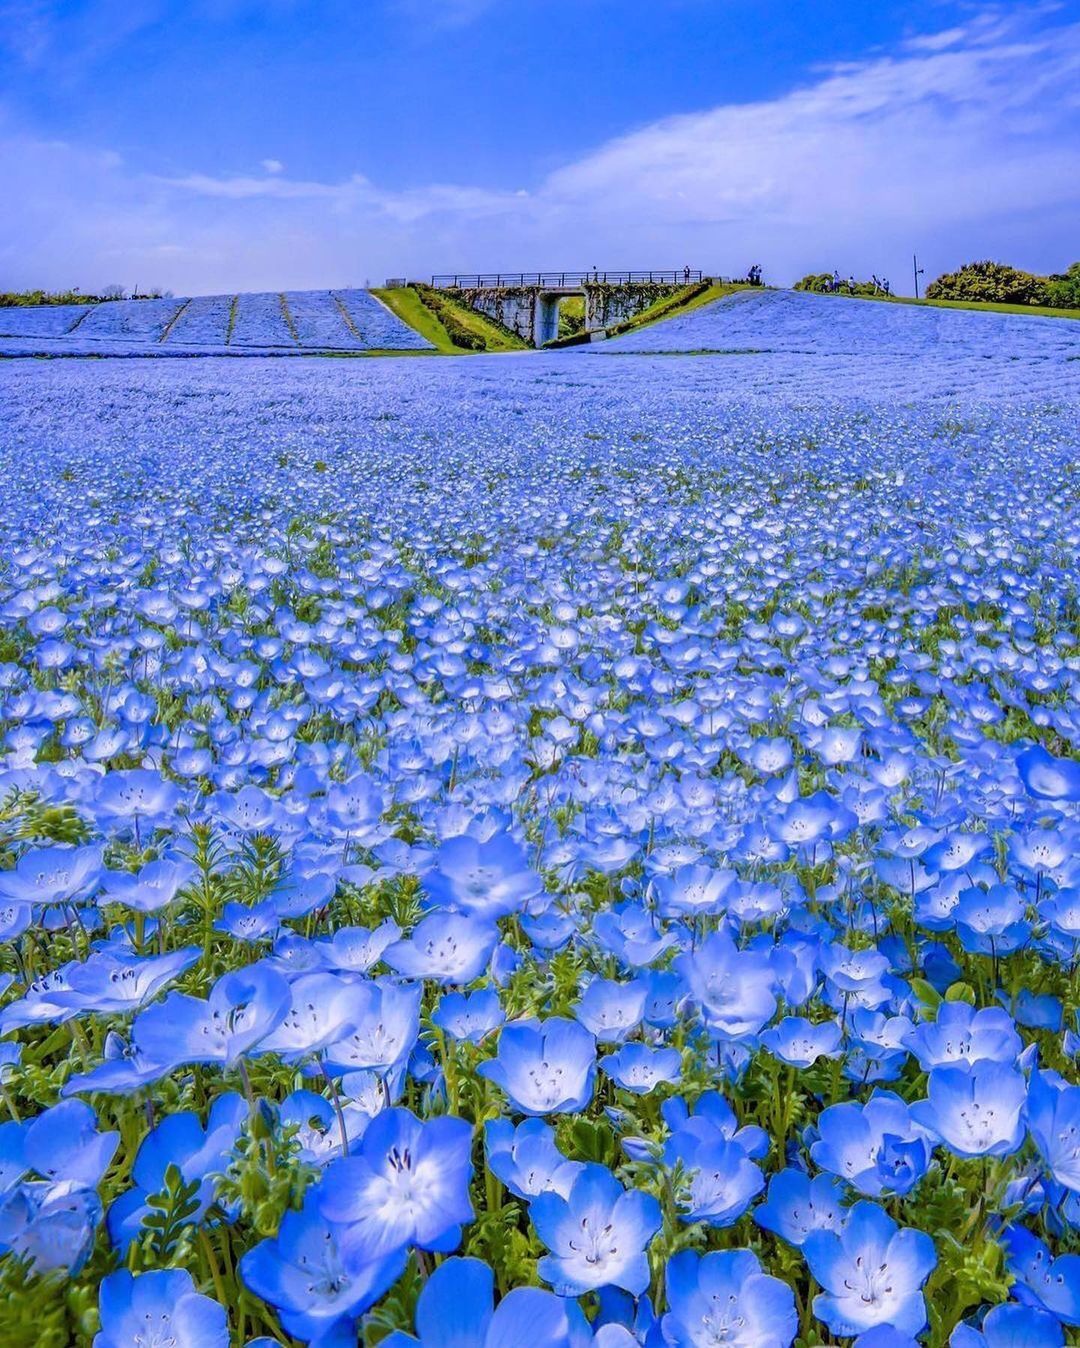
point(671, 307)
point(977, 305)
point(406, 303)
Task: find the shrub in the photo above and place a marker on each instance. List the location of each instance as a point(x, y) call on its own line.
point(1063, 288)
point(990, 283)
point(446, 312)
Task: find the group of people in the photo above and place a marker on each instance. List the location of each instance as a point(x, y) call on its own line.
point(838, 284)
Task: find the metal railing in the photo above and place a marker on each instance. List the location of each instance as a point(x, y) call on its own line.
point(563, 280)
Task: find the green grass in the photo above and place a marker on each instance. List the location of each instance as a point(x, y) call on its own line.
point(408, 306)
point(678, 304)
point(1034, 309)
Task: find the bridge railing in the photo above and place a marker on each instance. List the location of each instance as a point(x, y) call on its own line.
point(561, 280)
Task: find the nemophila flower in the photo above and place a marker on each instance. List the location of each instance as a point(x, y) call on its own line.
point(149, 889)
point(991, 922)
point(872, 1273)
point(975, 1110)
point(385, 1029)
point(53, 875)
point(180, 1140)
point(123, 1069)
point(799, 1043)
point(242, 922)
point(956, 851)
point(50, 1224)
point(597, 1236)
point(324, 1009)
point(249, 810)
point(159, 1307)
point(1042, 1281)
point(1048, 778)
point(692, 891)
point(734, 988)
point(544, 1067)
point(358, 949)
point(877, 1148)
point(316, 1286)
point(489, 879)
point(122, 983)
point(1010, 1326)
point(639, 1069)
point(243, 1008)
point(726, 1297)
point(527, 1159)
point(63, 1144)
point(1052, 1114)
point(353, 808)
point(719, 1180)
point(317, 1124)
point(852, 971)
point(408, 1183)
point(469, 1016)
point(962, 1034)
point(456, 1310)
point(611, 1010)
point(796, 1205)
point(447, 947)
point(713, 1118)
point(137, 796)
point(630, 932)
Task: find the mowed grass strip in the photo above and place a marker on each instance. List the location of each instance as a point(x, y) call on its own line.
point(407, 304)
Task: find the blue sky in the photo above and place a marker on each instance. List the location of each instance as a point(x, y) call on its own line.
point(222, 144)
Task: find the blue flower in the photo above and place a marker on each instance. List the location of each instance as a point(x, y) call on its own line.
point(597, 1237)
point(872, 1272)
point(53, 875)
point(1049, 778)
point(545, 1067)
point(316, 1286)
point(1049, 1284)
point(1053, 1119)
point(445, 947)
point(198, 1152)
point(408, 1183)
point(639, 1069)
point(456, 1310)
point(799, 1043)
point(725, 1297)
point(527, 1159)
point(160, 1307)
point(797, 1205)
point(962, 1034)
point(611, 1010)
point(488, 879)
point(1010, 1326)
point(243, 1008)
point(733, 987)
point(976, 1110)
point(877, 1147)
point(469, 1016)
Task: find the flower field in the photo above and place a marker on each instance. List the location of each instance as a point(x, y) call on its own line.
point(300, 320)
point(571, 851)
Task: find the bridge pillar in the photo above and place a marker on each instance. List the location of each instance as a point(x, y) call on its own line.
point(545, 318)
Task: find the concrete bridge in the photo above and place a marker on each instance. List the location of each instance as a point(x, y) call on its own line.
point(528, 302)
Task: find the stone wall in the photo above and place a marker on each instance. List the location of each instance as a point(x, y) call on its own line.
point(533, 312)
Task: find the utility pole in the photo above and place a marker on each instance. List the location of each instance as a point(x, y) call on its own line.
point(917, 270)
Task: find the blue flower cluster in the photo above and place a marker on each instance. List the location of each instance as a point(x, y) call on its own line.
point(532, 852)
point(300, 320)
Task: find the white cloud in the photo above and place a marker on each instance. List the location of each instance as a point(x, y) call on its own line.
point(964, 145)
point(273, 166)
